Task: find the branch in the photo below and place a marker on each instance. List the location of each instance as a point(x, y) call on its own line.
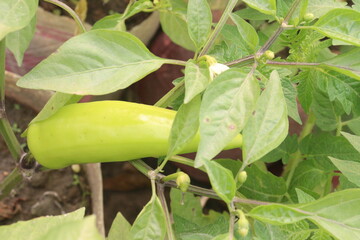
point(281, 28)
point(224, 17)
point(69, 11)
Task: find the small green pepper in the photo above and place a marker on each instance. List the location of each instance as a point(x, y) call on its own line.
point(104, 131)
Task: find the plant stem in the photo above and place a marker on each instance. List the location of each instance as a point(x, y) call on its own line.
point(10, 138)
point(339, 126)
point(170, 96)
point(69, 11)
point(226, 14)
point(231, 220)
point(281, 28)
point(175, 62)
point(145, 169)
point(10, 182)
point(141, 167)
point(2, 77)
point(171, 177)
point(160, 191)
point(242, 61)
point(185, 161)
point(293, 64)
point(296, 159)
point(5, 127)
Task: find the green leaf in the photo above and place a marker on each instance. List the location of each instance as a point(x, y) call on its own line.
point(139, 6)
point(227, 104)
point(15, 15)
point(277, 214)
point(295, 231)
point(337, 213)
point(150, 223)
point(95, 63)
point(303, 197)
point(252, 14)
point(354, 140)
point(354, 122)
point(346, 63)
point(37, 228)
point(350, 169)
point(264, 6)
point(312, 176)
point(109, 22)
point(290, 94)
point(174, 24)
point(319, 147)
point(321, 7)
point(84, 229)
point(345, 184)
point(324, 111)
point(185, 126)
point(247, 32)
point(188, 207)
point(184, 230)
point(197, 77)
point(283, 152)
point(306, 88)
point(222, 180)
point(341, 24)
point(120, 229)
point(117, 21)
point(17, 42)
point(230, 48)
point(341, 88)
point(57, 101)
point(263, 185)
point(321, 234)
point(199, 20)
point(231, 164)
point(356, 5)
point(268, 127)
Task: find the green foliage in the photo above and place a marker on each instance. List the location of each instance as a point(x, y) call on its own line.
point(262, 185)
point(150, 223)
point(316, 64)
point(87, 71)
point(335, 213)
point(264, 6)
point(268, 127)
point(17, 42)
point(197, 77)
point(199, 20)
point(341, 24)
point(70, 226)
point(185, 126)
point(227, 105)
point(16, 15)
point(174, 23)
point(120, 229)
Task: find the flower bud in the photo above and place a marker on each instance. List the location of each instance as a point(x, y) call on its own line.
point(241, 177)
point(183, 181)
point(242, 224)
point(269, 55)
point(308, 17)
point(75, 168)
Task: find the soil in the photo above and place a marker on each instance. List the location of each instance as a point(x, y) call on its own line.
point(56, 192)
point(45, 193)
point(59, 191)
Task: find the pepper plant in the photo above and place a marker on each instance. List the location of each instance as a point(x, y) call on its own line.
point(255, 68)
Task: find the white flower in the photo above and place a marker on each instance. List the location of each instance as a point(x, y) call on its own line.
point(216, 69)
